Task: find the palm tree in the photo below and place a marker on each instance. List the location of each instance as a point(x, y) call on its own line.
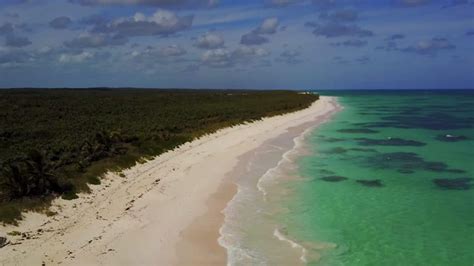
point(15, 183)
point(106, 143)
point(102, 138)
point(116, 137)
point(41, 173)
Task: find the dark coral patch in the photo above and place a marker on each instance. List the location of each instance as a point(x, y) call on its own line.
point(336, 150)
point(410, 110)
point(407, 163)
point(405, 171)
point(326, 172)
point(389, 142)
point(333, 178)
point(451, 138)
point(435, 121)
point(370, 183)
point(435, 166)
point(363, 149)
point(456, 171)
point(372, 113)
point(400, 157)
point(463, 183)
point(333, 139)
point(432, 121)
point(330, 139)
point(357, 130)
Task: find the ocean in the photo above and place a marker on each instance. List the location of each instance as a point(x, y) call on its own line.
point(388, 180)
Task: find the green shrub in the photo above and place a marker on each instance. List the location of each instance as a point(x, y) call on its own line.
point(10, 214)
point(69, 195)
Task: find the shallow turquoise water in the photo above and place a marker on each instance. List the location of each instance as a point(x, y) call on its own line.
point(405, 140)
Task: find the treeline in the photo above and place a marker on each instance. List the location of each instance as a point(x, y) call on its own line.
point(55, 142)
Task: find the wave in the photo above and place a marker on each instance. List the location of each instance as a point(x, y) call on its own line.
point(287, 159)
point(280, 236)
point(231, 230)
point(247, 207)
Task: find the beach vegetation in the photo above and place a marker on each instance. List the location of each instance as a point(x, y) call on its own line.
point(56, 143)
point(14, 233)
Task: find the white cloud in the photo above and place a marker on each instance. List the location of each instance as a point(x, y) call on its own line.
point(209, 41)
point(268, 26)
point(225, 58)
point(430, 47)
point(282, 3)
point(217, 58)
point(76, 58)
point(95, 41)
point(162, 22)
point(246, 52)
point(253, 38)
point(172, 50)
point(209, 3)
point(412, 3)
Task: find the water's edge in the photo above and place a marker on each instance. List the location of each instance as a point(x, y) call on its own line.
point(250, 233)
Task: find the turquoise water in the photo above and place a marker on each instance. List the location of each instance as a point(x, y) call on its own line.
point(389, 181)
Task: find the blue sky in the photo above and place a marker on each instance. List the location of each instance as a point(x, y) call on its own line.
point(274, 44)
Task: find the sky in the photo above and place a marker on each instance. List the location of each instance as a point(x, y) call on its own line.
point(230, 44)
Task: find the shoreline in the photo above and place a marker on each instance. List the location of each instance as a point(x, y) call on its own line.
point(263, 172)
point(144, 217)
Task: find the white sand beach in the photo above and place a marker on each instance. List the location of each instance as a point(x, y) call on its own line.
point(166, 211)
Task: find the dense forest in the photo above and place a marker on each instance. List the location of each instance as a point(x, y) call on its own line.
point(54, 142)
